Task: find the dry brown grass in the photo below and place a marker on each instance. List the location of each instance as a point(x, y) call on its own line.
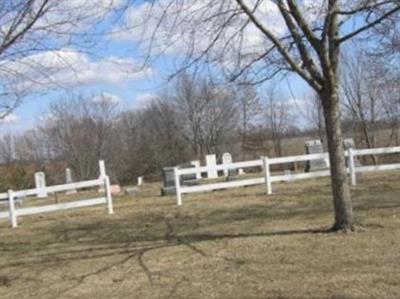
point(236, 243)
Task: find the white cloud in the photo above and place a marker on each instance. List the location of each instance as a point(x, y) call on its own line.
point(298, 103)
point(68, 68)
point(142, 100)
point(188, 27)
point(106, 97)
point(73, 16)
point(10, 119)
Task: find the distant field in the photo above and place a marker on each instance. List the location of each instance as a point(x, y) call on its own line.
point(236, 243)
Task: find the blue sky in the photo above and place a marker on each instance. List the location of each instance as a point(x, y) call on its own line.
point(110, 67)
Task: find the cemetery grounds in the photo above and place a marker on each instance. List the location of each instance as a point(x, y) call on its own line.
point(236, 243)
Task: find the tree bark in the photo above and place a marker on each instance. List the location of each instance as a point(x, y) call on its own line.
point(344, 219)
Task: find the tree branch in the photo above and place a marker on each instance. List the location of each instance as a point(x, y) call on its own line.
point(280, 47)
point(369, 25)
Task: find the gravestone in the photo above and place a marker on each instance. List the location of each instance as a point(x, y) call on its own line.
point(241, 171)
point(196, 164)
point(131, 190)
point(168, 176)
point(315, 147)
point(211, 161)
point(140, 181)
point(69, 180)
point(226, 159)
point(287, 172)
point(187, 179)
point(115, 189)
point(40, 182)
point(347, 144)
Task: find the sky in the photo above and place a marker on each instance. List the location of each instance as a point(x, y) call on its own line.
point(114, 66)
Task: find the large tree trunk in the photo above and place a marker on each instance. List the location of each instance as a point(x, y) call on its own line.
point(344, 219)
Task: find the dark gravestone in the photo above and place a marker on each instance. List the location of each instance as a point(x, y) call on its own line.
point(315, 147)
point(232, 174)
point(188, 179)
point(168, 176)
point(349, 143)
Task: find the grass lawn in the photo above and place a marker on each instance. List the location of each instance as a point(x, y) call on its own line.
point(236, 243)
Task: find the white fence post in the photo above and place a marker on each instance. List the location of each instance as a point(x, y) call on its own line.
point(267, 174)
point(108, 195)
point(352, 167)
point(13, 215)
point(102, 168)
point(177, 187)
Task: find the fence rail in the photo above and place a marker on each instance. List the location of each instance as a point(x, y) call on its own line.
point(13, 212)
point(267, 178)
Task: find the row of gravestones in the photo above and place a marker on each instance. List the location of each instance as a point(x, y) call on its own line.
point(40, 182)
point(192, 179)
point(312, 147)
point(315, 147)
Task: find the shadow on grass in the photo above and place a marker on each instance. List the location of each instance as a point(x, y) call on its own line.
point(131, 238)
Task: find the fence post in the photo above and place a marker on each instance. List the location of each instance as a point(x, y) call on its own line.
point(267, 174)
point(102, 168)
point(108, 195)
point(13, 215)
point(177, 187)
point(352, 167)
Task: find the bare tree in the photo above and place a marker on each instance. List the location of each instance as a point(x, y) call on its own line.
point(370, 96)
point(207, 111)
point(33, 146)
point(314, 115)
point(149, 138)
point(35, 33)
point(301, 37)
point(362, 95)
point(79, 130)
point(249, 109)
point(7, 151)
point(390, 97)
point(278, 118)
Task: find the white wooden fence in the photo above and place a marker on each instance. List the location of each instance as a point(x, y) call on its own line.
point(13, 212)
point(268, 178)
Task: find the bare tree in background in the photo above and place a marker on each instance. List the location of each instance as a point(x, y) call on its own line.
point(36, 33)
point(370, 97)
point(301, 37)
point(33, 146)
point(362, 95)
point(278, 118)
point(7, 153)
point(149, 139)
point(314, 115)
point(208, 113)
point(79, 130)
point(249, 108)
point(391, 105)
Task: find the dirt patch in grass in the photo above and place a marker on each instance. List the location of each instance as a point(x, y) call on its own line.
point(237, 243)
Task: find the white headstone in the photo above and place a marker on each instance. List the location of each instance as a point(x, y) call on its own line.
point(226, 159)
point(287, 172)
point(40, 183)
point(240, 171)
point(315, 147)
point(69, 180)
point(211, 161)
point(68, 176)
point(349, 143)
point(140, 181)
point(196, 164)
